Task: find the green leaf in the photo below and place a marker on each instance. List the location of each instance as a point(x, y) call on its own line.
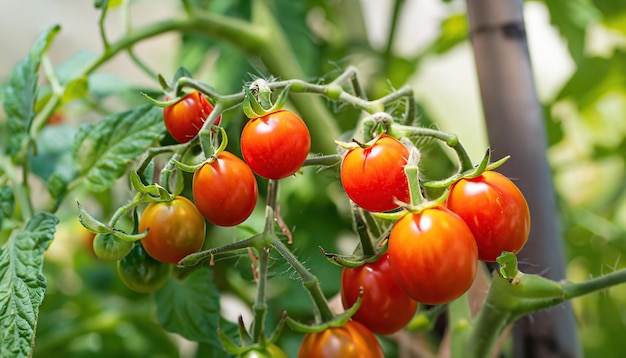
point(572, 18)
point(23, 285)
point(191, 307)
point(103, 151)
point(453, 31)
point(76, 89)
point(7, 203)
point(21, 93)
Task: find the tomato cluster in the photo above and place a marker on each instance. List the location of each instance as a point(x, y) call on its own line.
point(433, 252)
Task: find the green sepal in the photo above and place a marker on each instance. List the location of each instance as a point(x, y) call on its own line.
point(351, 261)
point(337, 321)
point(473, 173)
point(508, 265)
point(90, 223)
point(160, 104)
point(253, 109)
point(94, 225)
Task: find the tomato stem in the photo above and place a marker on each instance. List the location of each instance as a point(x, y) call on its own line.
point(412, 174)
point(450, 139)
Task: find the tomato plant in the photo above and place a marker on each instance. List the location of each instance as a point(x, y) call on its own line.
point(185, 118)
point(385, 308)
point(225, 190)
point(142, 273)
point(175, 229)
point(275, 145)
point(495, 211)
point(433, 255)
point(352, 340)
point(373, 175)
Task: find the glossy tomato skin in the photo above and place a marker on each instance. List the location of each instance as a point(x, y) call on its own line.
point(374, 177)
point(184, 118)
point(495, 211)
point(433, 255)
point(385, 308)
point(140, 272)
point(351, 340)
point(225, 190)
point(175, 229)
point(275, 145)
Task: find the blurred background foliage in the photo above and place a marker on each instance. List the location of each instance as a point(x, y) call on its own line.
point(87, 310)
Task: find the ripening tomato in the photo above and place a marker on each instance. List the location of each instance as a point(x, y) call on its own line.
point(351, 340)
point(433, 255)
point(275, 145)
point(140, 272)
point(385, 308)
point(495, 211)
point(175, 229)
point(184, 118)
point(374, 177)
point(225, 190)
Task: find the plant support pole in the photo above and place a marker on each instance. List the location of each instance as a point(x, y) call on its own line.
point(515, 126)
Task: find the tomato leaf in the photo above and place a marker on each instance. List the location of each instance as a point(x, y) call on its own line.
point(20, 94)
point(191, 307)
point(103, 151)
point(23, 284)
point(7, 203)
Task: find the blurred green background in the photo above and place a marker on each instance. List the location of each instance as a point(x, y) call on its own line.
point(578, 51)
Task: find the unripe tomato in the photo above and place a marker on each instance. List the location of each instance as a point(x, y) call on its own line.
point(271, 351)
point(108, 248)
point(225, 190)
point(374, 177)
point(433, 255)
point(275, 145)
point(495, 211)
point(184, 118)
point(385, 308)
point(175, 229)
point(351, 340)
point(142, 273)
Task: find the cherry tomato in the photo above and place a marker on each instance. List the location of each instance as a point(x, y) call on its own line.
point(433, 255)
point(108, 248)
point(495, 211)
point(275, 145)
point(385, 308)
point(374, 177)
point(175, 229)
point(184, 118)
point(271, 351)
point(142, 273)
point(225, 190)
point(351, 340)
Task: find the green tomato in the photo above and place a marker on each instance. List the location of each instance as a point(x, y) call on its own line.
point(142, 273)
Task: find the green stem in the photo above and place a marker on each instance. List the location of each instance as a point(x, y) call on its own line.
point(260, 304)
point(459, 323)
point(323, 313)
point(451, 140)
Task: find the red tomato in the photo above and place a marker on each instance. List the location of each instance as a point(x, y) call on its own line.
point(433, 255)
point(495, 211)
point(385, 308)
point(275, 145)
point(351, 340)
point(374, 177)
point(184, 118)
point(225, 190)
point(175, 229)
